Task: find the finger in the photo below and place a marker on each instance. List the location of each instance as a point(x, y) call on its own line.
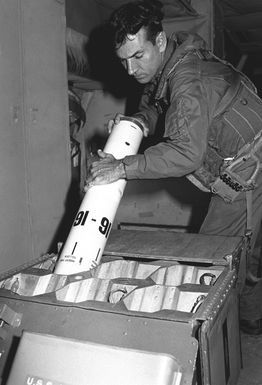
point(97, 181)
point(88, 184)
point(98, 166)
point(114, 121)
point(96, 178)
point(110, 126)
point(146, 131)
point(118, 118)
point(87, 187)
point(100, 173)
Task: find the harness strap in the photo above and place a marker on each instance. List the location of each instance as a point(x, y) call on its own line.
point(249, 197)
point(248, 235)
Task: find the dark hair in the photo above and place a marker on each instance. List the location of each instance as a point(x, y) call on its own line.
point(131, 17)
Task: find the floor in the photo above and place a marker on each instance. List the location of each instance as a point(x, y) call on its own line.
point(251, 374)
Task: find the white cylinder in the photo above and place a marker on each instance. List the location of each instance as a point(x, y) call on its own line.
point(86, 241)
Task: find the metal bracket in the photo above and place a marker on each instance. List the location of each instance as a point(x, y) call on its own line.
point(229, 259)
point(9, 316)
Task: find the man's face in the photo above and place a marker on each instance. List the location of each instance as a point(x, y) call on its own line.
point(140, 57)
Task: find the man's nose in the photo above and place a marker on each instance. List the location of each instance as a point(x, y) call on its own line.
point(130, 67)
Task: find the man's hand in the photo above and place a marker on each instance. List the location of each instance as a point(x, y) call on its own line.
point(106, 169)
point(117, 119)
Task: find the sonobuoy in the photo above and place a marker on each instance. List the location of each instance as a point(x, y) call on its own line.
point(87, 238)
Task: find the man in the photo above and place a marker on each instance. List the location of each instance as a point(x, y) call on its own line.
point(213, 123)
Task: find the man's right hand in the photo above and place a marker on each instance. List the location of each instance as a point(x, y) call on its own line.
point(117, 119)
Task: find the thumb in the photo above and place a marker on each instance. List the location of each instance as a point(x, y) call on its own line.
point(101, 154)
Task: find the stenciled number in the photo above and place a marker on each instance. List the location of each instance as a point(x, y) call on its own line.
point(105, 226)
point(81, 218)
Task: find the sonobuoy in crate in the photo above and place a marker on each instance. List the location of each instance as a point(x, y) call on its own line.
point(91, 227)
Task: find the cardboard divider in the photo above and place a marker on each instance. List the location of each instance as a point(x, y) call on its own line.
point(179, 274)
point(158, 297)
point(139, 286)
point(127, 269)
point(28, 284)
point(95, 289)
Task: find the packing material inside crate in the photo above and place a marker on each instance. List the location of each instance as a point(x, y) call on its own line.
point(147, 287)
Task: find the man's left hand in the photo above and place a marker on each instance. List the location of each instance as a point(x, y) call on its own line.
point(106, 170)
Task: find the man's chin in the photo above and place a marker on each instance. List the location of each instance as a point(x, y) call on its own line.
point(142, 80)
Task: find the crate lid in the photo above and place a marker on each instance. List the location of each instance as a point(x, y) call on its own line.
point(171, 246)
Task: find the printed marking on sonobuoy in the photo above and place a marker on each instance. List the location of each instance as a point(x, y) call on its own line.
point(74, 248)
point(97, 254)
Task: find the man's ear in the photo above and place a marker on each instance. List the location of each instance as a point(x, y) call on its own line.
point(161, 41)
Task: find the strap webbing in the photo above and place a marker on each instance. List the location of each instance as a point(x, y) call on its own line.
point(249, 226)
